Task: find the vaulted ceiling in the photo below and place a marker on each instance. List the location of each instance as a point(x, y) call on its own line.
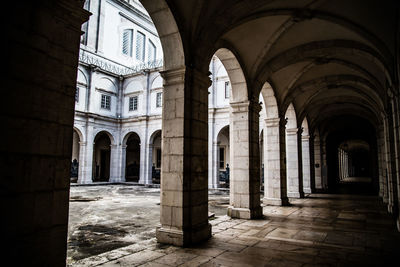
point(326, 57)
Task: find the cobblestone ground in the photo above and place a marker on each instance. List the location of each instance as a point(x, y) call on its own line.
point(114, 225)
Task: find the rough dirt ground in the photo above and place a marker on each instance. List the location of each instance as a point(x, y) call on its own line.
point(107, 217)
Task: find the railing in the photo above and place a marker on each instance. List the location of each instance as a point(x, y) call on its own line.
point(115, 67)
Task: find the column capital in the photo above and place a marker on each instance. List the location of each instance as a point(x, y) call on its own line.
point(244, 106)
point(292, 131)
point(82, 143)
point(305, 137)
point(272, 122)
point(178, 76)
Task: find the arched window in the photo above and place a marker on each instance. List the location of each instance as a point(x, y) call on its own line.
point(127, 42)
point(151, 52)
point(140, 46)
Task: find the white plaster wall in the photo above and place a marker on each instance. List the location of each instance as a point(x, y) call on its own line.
point(114, 26)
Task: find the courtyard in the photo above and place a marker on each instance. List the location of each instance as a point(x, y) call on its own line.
point(114, 225)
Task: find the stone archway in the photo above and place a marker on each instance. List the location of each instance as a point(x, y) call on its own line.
point(101, 157)
point(132, 158)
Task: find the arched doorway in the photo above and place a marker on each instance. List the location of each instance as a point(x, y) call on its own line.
point(155, 156)
point(75, 157)
point(101, 157)
point(132, 171)
point(223, 157)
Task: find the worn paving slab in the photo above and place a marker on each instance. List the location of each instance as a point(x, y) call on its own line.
point(114, 225)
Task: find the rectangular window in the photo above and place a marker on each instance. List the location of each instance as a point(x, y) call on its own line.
point(227, 89)
point(133, 103)
point(221, 157)
point(106, 102)
point(159, 100)
point(158, 163)
point(77, 95)
point(151, 52)
point(127, 42)
point(140, 46)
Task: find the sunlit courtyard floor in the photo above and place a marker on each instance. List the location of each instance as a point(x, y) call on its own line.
point(114, 225)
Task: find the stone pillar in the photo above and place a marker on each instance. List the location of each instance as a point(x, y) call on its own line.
point(381, 163)
point(324, 166)
point(274, 163)
point(82, 157)
point(215, 166)
point(245, 161)
point(384, 165)
point(42, 44)
point(389, 163)
point(294, 186)
point(305, 142)
point(149, 164)
point(396, 156)
point(115, 164)
point(142, 169)
point(87, 166)
point(317, 163)
point(184, 189)
point(122, 156)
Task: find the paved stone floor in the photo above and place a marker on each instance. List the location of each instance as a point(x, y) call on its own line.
point(114, 225)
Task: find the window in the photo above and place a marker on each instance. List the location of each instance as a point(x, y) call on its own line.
point(151, 52)
point(221, 157)
point(159, 100)
point(77, 95)
point(106, 102)
point(127, 42)
point(140, 45)
point(133, 103)
point(227, 89)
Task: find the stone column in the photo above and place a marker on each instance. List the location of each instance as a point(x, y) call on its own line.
point(389, 162)
point(215, 166)
point(122, 170)
point(295, 189)
point(115, 164)
point(317, 163)
point(87, 166)
point(142, 169)
point(274, 163)
point(396, 155)
point(245, 161)
point(305, 142)
point(81, 167)
point(184, 189)
point(149, 164)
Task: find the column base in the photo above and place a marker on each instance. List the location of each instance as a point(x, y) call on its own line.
point(244, 213)
point(390, 208)
point(116, 180)
point(398, 224)
point(295, 194)
point(307, 190)
point(182, 238)
point(276, 201)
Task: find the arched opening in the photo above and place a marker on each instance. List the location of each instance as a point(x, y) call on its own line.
point(132, 171)
point(293, 160)
point(101, 157)
point(306, 159)
point(223, 157)
point(75, 157)
point(352, 157)
point(155, 155)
